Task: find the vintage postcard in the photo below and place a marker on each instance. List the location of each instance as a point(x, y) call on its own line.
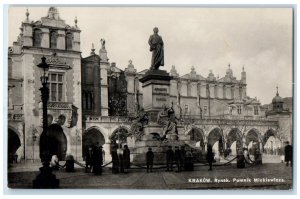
point(154, 97)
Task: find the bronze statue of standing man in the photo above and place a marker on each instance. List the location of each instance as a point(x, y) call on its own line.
point(157, 47)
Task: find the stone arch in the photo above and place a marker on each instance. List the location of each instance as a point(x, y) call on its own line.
point(119, 136)
point(197, 137)
point(91, 137)
point(268, 134)
point(216, 140)
point(234, 140)
point(13, 144)
point(54, 141)
point(270, 142)
point(253, 140)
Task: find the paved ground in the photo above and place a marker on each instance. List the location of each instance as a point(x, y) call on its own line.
point(222, 177)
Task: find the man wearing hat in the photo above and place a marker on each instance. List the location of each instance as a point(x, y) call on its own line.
point(149, 159)
point(126, 158)
point(97, 159)
point(170, 158)
point(177, 158)
point(288, 153)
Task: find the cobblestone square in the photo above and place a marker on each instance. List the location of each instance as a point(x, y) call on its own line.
point(267, 176)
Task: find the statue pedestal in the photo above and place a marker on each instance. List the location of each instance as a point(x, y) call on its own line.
point(156, 92)
point(139, 148)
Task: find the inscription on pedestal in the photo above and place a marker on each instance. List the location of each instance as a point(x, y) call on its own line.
point(156, 90)
point(160, 95)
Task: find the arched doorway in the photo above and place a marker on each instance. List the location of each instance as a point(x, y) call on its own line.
point(234, 141)
point(13, 145)
point(91, 137)
point(271, 144)
point(196, 138)
point(119, 137)
point(55, 140)
point(215, 139)
point(252, 141)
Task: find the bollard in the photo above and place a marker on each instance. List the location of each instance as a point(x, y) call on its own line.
point(240, 161)
point(70, 163)
point(258, 157)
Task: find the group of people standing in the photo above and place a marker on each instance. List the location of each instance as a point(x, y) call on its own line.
point(182, 159)
point(120, 159)
point(94, 159)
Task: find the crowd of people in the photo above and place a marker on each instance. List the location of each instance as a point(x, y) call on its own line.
point(181, 158)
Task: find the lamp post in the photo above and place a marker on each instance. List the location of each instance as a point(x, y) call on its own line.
point(44, 69)
point(45, 179)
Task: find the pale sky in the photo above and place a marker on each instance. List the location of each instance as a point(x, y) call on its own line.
point(260, 39)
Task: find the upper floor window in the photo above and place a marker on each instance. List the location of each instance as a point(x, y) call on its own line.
point(189, 89)
point(69, 38)
point(205, 110)
point(186, 109)
point(53, 39)
point(255, 110)
point(37, 37)
point(239, 109)
point(55, 85)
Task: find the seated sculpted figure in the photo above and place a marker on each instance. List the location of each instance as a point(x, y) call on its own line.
point(167, 118)
point(138, 123)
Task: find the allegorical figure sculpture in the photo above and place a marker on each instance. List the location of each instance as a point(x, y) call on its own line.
point(167, 118)
point(138, 123)
point(157, 48)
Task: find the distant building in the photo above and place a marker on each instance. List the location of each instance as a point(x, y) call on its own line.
point(281, 110)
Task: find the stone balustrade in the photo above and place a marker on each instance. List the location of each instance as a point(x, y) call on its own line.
point(106, 119)
point(15, 117)
point(59, 105)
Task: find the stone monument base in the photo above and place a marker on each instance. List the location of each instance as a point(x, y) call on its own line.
point(138, 149)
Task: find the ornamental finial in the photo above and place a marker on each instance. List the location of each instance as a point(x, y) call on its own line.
point(27, 15)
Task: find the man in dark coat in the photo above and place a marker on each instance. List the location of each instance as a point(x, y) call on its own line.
point(170, 158)
point(288, 154)
point(209, 156)
point(182, 157)
point(97, 159)
point(188, 162)
point(115, 160)
point(126, 159)
point(177, 158)
point(88, 160)
point(149, 159)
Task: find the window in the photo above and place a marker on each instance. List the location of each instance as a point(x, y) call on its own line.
point(69, 38)
point(53, 39)
point(205, 108)
point(189, 89)
point(37, 37)
point(255, 110)
point(239, 109)
point(186, 109)
point(55, 86)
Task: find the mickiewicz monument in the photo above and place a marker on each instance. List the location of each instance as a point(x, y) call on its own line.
point(161, 130)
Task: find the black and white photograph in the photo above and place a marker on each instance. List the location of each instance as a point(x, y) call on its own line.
point(150, 97)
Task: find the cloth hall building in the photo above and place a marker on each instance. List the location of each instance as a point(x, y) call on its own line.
point(93, 100)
